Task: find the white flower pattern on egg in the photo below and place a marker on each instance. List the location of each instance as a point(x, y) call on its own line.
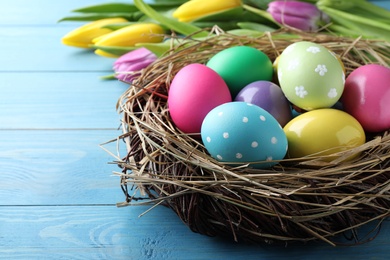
point(225, 135)
point(254, 144)
point(274, 140)
point(332, 93)
point(245, 119)
point(262, 118)
point(238, 155)
point(321, 69)
point(219, 157)
point(313, 49)
point(292, 65)
point(208, 139)
point(300, 91)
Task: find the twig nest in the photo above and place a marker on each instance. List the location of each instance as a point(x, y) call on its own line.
point(301, 199)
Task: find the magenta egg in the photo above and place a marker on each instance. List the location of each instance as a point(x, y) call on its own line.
point(268, 96)
point(195, 90)
point(367, 97)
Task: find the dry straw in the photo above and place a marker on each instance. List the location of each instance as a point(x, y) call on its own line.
point(297, 200)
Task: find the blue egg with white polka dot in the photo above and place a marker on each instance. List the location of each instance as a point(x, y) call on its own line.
point(240, 133)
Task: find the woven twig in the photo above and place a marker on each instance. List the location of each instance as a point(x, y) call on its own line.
point(297, 200)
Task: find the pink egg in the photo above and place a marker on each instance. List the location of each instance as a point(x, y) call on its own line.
point(195, 90)
point(366, 97)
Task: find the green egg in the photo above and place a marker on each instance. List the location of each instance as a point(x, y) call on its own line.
point(240, 66)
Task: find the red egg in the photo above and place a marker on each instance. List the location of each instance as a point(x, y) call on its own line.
point(366, 97)
point(195, 90)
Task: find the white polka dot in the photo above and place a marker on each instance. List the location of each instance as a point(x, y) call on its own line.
point(220, 113)
point(262, 118)
point(254, 144)
point(226, 135)
point(208, 139)
point(245, 119)
point(274, 140)
point(269, 158)
point(238, 155)
point(219, 157)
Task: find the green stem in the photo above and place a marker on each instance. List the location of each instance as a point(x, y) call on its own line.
point(355, 18)
point(261, 13)
point(183, 28)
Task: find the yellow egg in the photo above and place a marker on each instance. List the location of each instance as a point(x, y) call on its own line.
point(323, 132)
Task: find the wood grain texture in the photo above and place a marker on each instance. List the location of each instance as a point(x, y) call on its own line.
point(106, 232)
point(57, 167)
point(57, 190)
point(31, 49)
point(40, 12)
point(58, 100)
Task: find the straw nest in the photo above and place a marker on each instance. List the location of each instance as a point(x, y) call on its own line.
point(296, 200)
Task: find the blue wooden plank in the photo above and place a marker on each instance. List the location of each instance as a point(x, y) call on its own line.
point(40, 12)
point(107, 232)
point(58, 167)
point(58, 100)
point(30, 48)
point(381, 3)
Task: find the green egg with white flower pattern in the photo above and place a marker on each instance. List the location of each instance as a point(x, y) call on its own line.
point(311, 76)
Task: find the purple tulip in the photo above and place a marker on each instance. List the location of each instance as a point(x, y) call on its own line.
point(300, 15)
point(128, 66)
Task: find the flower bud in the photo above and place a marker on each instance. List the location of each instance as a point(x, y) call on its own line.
point(296, 14)
point(128, 66)
point(129, 36)
point(82, 37)
point(195, 9)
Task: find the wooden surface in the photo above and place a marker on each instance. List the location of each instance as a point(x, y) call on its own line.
point(57, 190)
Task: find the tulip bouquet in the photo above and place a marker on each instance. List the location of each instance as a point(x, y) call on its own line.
point(115, 29)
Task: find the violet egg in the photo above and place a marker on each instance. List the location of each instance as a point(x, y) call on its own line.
point(268, 96)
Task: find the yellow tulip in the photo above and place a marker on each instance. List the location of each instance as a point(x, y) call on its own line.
point(129, 36)
point(196, 9)
point(82, 37)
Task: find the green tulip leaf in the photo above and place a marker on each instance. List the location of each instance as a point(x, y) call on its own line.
point(116, 26)
point(255, 26)
point(233, 14)
point(108, 77)
point(107, 8)
point(246, 32)
point(127, 8)
point(97, 16)
point(115, 50)
point(183, 28)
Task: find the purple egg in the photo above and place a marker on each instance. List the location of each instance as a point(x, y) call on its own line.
point(268, 96)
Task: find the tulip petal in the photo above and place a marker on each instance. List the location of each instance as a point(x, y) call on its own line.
point(294, 8)
point(132, 34)
point(195, 9)
point(82, 36)
point(136, 55)
point(179, 27)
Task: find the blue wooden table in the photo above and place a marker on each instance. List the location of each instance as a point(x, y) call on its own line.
point(58, 193)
